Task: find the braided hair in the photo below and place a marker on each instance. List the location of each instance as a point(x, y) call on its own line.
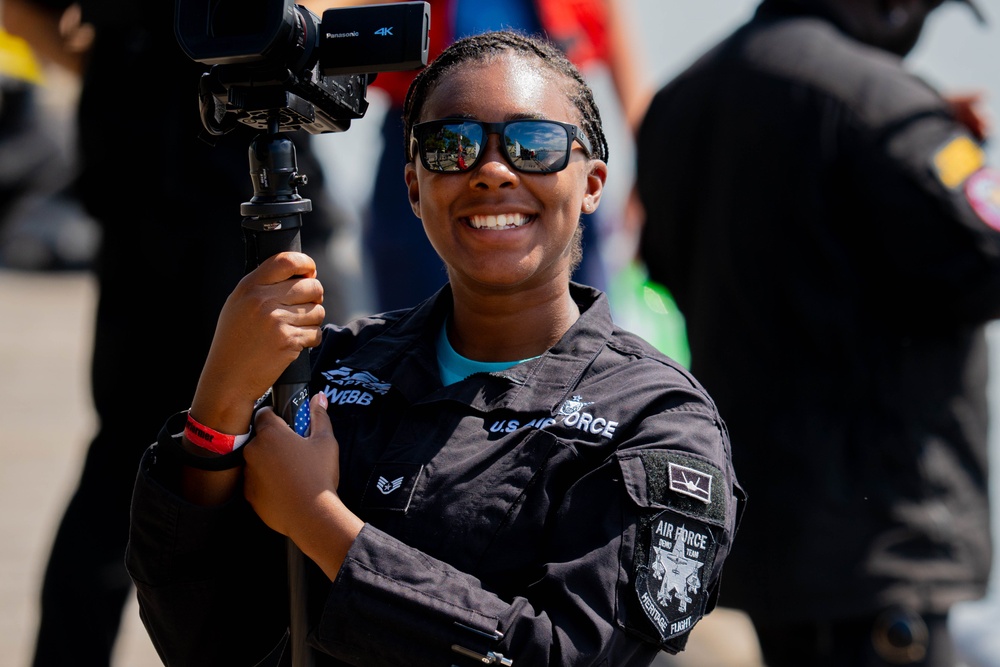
point(482, 47)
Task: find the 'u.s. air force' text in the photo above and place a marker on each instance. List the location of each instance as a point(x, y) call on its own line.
point(583, 421)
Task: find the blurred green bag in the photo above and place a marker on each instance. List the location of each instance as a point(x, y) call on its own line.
point(647, 308)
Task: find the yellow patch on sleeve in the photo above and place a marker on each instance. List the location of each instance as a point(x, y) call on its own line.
point(957, 160)
point(17, 59)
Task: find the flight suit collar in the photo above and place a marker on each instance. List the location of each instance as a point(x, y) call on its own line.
point(404, 355)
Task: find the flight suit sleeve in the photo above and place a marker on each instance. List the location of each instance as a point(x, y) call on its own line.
point(211, 581)
point(930, 207)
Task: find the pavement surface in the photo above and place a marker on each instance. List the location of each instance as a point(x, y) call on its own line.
point(46, 321)
point(45, 335)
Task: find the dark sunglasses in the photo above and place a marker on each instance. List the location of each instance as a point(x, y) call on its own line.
point(530, 145)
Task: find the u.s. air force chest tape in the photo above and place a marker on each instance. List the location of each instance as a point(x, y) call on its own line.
point(682, 512)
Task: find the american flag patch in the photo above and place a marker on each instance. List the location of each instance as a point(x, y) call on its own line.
point(302, 416)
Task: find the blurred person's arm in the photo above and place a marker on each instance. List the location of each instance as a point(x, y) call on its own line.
point(626, 63)
point(970, 110)
point(632, 80)
point(55, 35)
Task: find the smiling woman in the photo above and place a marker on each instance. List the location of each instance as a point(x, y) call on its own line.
point(499, 475)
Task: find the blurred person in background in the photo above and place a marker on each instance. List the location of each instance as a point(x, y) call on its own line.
point(168, 207)
point(42, 227)
point(831, 233)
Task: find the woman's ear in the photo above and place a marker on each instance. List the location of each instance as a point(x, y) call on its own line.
point(412, 187)
point(596, 179)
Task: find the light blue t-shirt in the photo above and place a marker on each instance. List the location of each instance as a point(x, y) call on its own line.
point(454, 367)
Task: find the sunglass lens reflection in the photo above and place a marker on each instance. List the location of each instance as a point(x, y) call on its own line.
point(538, 147)
point(452, 147)
point(530, 146)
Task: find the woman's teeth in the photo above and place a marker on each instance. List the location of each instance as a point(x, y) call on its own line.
point(503, 221)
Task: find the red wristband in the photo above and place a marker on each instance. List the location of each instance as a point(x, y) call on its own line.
point(212, 440)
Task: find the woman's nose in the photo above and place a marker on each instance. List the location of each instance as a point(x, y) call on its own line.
point(494, 164)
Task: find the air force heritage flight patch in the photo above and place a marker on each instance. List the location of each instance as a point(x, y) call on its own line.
point(672, 584)
point(681, 502)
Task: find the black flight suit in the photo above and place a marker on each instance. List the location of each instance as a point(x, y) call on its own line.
point(574, 509)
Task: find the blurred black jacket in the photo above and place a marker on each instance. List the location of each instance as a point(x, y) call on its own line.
point(812, 206)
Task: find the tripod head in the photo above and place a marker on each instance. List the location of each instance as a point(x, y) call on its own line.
point(273, 217)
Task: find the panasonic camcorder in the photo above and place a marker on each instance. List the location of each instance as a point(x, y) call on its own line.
point(275, 59)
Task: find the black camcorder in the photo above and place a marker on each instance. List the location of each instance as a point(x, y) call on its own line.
point(275, 58)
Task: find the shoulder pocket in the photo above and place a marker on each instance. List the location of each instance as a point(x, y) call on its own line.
point(657, 479)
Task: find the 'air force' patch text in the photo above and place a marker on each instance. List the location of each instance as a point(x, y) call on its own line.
point(671, 583)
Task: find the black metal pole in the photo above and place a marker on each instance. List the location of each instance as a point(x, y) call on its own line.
point(272, 222)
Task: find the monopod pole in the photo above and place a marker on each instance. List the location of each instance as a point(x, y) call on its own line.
point(272, 222)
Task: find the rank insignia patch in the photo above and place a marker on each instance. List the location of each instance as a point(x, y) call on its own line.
point(391, 486)
point(671, 583)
